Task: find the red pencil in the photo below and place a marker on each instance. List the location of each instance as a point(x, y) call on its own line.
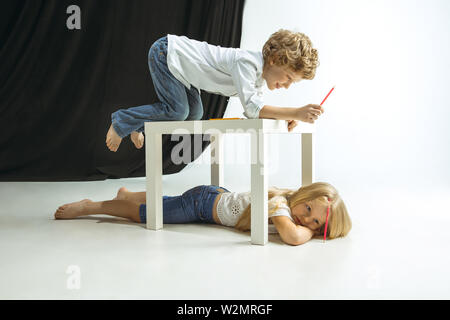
point(327, 96)
point(326, 224)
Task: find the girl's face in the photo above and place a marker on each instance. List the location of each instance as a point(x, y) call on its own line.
point(277, 77)
point(310, 214)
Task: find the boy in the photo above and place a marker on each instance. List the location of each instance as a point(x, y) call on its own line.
point(180, 67)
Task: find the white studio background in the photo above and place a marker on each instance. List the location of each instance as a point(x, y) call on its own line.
point(385, 124)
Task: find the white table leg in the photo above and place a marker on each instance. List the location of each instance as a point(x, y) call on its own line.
point(259, 189)
point(153, 168)
point(307, 159)
point(217, 177)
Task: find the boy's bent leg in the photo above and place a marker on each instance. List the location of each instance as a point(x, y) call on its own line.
point(173, 104)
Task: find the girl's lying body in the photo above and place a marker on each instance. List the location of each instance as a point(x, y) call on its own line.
point(297, 215)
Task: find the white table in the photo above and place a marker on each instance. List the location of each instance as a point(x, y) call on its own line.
point(258, 130)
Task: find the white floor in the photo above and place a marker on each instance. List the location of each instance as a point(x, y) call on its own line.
point(384, 257)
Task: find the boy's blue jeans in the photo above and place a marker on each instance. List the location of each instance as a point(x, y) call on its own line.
point(176, 101)
point(194, 205)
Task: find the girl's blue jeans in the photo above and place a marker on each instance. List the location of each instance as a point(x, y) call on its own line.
point(194, 205)
point(177, 103)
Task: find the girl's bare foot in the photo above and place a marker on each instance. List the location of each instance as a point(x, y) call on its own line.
point(72, 210)
point(113, 140)
point(138, 139)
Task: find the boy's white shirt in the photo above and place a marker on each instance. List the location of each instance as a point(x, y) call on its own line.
point(226, 71)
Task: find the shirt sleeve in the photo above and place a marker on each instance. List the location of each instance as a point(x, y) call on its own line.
point(244, 77)
point(282, 211)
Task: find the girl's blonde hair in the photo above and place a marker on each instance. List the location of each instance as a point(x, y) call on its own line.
point(293, 49)
point(339, 222)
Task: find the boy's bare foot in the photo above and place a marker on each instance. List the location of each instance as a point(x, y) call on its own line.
point(122, 194)
point(138, 139)
point(113, 140)
point(71, 210)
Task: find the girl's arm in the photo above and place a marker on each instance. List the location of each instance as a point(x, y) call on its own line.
point(290, 232)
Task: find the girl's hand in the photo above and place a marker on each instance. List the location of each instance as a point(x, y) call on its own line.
point(291, 124)
point(309, 113)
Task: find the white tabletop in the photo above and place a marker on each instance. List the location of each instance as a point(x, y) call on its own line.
point(226, 126)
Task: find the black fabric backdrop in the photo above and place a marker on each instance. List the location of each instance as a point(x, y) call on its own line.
point(58, 87)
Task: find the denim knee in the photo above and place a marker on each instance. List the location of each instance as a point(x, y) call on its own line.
point(196, 111)
point(195, 116)
point(179, 115)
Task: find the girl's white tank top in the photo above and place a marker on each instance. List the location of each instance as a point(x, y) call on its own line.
point(231, 206)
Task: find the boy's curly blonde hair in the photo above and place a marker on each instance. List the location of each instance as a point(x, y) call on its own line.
point(293, 49)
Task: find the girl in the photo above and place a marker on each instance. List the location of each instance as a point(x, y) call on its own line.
point(297, 215)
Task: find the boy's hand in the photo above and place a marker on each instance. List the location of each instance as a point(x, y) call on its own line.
point(309, 113)
point(291, 124)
